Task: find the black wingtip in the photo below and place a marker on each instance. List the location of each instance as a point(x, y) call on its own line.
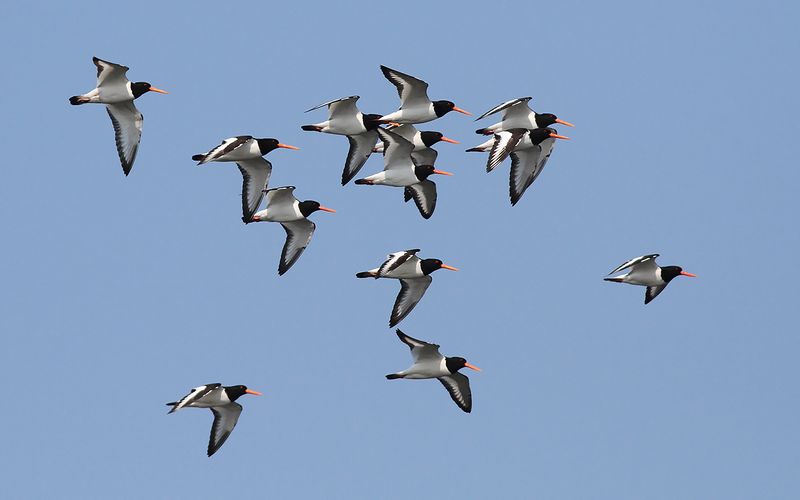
point(393, 376)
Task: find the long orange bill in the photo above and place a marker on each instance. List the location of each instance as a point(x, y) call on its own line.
point(451, 141)
point(287, 146)
point(255, 393)
point(684, 273)
point(445, 266)
point(559, 136)
point(472, 366)
point(326, 209)
point(153, 89)
point(562, 122)
point(441, 172)
point(456, 108)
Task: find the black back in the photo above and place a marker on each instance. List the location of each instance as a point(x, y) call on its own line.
point(139, 88)
point(423, 171)
point(234, 392)
point(308, 207)
point(545, 119)
point(669, 272)
point(370, 121)
point(441, 108)
point(267, 145)
point(430, 265)
point(454, 364)
point(429, 137)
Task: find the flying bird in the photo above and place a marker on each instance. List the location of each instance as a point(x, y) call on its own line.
point(248, 153)
point(415, 106)
point(645, 272)
point(429, 363)
point(221, 401)
point(118, 93)
point(517, 114)
point(292, 214)
point(344, 118)
point(529, 150)
point(414, 275)
point(423, 153)
point(400, 171)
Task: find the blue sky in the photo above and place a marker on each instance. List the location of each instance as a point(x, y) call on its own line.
point(120, 293)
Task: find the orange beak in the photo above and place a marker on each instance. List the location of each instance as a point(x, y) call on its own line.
point(441, 172)
point(456, 108)
point(287, 146)
point(153, 89)
point(559, 136)
point(472, 367)
point(451, 141)
point(254, 393)
point(684, 273)
point(562, 122)
point(445, 266)
point(326, 209)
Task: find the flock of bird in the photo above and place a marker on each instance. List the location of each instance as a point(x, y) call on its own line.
point(524, 135)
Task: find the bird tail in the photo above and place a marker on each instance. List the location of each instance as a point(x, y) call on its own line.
point(367, 274)
point(77, 99)
point(475, 150)
point(615, 280)
point(173, 405)
point(311, 128)
point(393, 376)
point(363, 181)
point(484, 131)
point(199, 157)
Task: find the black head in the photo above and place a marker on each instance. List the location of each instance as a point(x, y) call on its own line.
point(441, 108)
point(545, 119)
point(429, 138)
point(267, 145)
point(423, 171)
point(139, 88)
point(370, 121)
point(430, 265)
point(669, 272)
point(455, 363)
point(234, 392)
point(308, 207)
point(539, 134)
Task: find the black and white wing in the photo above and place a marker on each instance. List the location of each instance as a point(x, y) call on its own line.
point(652, 292)
point(504, 144)
point(647, 261)
point(194, 395)
point(344, 105)
point(255, 178)
point(424, 194)
point(411, 90)
point(457, 386)
point(298, 236)
point(420, 350)
point(360, 148)
point(281, 198)
point(411, 291)
point(110, 74)
point(396, 150)
point(127, 123)
point(425, 156)
point(225, 418)
point(227, 146)
point(395, 260)
point(526, 165)
point(521, 104)
point(406, 131)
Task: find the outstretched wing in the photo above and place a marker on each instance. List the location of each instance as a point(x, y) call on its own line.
point(281, 196)
point(457, 386)
point(424, 194)
point(338, 104)
point(360, 148)
point(504, 144)
point(298, 236)
point(395, 260)
point(520, 102)
point(652, 292)
point(225, 418)
point(396, 150)
point(411, 291)
point(420, 349)
point(425, 156)
point(127, 123)
point(109, 73)
point(411, 90)
point(644, 260)
point(194, 395)
point(227, 146)
point(255, 178)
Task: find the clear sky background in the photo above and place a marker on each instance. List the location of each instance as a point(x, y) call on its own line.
point(119, 294)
